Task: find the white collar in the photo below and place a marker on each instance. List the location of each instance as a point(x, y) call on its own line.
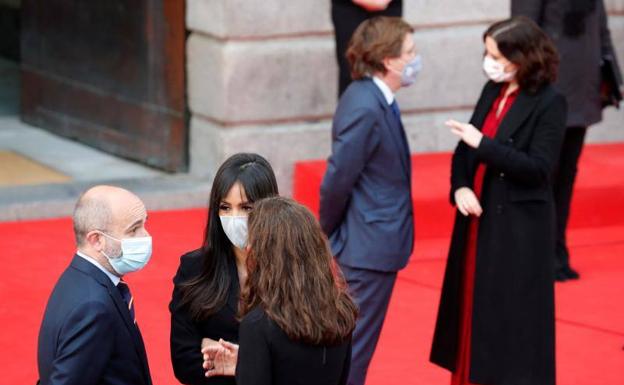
point(115, 279)
point(385, 90)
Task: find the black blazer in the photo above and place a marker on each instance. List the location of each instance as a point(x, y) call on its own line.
point(268, 357)
point(187, 334)
point(513, 340)
point(87, 335)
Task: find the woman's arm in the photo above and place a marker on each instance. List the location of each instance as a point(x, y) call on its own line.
point(461, 175)
point(459, 170)
point(534, 167)
point(254, 357)
point(346, 366)
point(185, 338)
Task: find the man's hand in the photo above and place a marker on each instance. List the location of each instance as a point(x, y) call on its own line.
point(372, 5)
point(220, 358)
point(466, 132)
point(467, 202)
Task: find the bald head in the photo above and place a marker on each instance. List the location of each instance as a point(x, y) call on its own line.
point(107, 209)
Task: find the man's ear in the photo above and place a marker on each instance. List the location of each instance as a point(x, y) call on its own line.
point(95, 240)
point(387, 63)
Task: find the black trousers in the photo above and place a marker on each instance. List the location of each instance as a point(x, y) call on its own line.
point(346, 17)
point(565, 175)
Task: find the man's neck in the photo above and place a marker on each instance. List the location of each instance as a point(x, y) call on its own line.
point(97, 257)
point(389, 80)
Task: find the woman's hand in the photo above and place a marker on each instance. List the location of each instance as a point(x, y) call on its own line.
point(208, 342)
point(467, 202)
point(220, 358)
point(372, 5)
point(466, 132)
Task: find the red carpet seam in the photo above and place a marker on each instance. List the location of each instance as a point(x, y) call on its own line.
point(590, 327)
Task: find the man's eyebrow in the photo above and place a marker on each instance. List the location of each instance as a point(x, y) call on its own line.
point(137, 222)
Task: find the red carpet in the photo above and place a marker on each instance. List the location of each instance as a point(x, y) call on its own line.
point(590, 312)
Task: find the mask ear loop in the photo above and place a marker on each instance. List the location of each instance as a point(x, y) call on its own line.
point(111, 237)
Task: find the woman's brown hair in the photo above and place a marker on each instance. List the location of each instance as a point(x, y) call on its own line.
point(523, 43)
point(375, 39)
point(292, 275)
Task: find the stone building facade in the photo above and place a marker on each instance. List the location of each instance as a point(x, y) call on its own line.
point(262, 77)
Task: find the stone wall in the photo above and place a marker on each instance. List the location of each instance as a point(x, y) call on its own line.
point(262, 77)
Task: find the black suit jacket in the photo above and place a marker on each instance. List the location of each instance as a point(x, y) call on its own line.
point(513, 340)
point(268, 357)
point(87, 335)
point(187, 334)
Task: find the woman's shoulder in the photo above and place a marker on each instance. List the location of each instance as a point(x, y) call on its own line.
point(190, 265)
point(255, 326)
point(551, 97)
point(256, 316)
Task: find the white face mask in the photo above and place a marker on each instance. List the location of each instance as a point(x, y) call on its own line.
point(495, 71)
point(236, 229)
point(410, 71)
point(135, 254)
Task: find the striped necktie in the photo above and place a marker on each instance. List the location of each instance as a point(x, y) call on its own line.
point(127, 296)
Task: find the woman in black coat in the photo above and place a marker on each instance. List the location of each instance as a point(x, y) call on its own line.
point(589, 77)
point(297, 316)
point(204, 304)
point(496, 317)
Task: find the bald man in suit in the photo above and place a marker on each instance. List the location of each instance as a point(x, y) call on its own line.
point(89, 333)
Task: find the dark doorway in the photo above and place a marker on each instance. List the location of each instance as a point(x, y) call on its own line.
point(108, 73)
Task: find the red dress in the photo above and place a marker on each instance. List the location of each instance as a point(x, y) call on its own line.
point(490, 126)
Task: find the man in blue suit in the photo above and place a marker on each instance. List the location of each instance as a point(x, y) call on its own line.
point(89, 333)
point(366, 206)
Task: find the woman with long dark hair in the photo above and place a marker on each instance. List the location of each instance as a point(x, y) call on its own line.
point(205, 298)
point(297, 316)
point(496, 323)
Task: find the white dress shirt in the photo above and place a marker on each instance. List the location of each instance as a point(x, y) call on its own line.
point(115, 279)
point(385, 90)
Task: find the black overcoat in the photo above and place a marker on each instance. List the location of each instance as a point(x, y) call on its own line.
point(581, 57)
point(513, 336)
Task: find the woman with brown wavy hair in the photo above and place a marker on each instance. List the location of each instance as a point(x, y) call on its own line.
point(496, 321)
point(297, 316)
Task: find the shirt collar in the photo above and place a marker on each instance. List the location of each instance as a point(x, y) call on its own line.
point(385, 90)
point(115, 279)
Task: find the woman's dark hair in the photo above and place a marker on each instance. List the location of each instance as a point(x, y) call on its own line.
point(207, 293)
point(292, 275)
point(524, 44)
point(375, 39)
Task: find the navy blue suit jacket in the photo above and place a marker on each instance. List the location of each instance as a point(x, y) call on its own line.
point(87, 335)
point(366, 206)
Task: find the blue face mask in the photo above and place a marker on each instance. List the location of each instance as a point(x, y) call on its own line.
point(411, 70)
point(135, 253)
